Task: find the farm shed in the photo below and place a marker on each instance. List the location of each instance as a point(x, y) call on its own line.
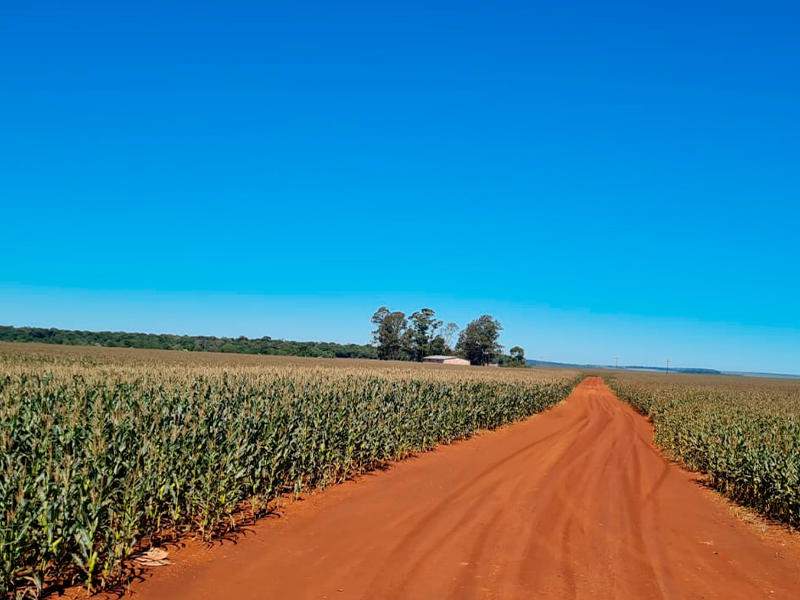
point(445, 360)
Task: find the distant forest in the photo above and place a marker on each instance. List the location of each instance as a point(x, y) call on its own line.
point(194, 343)
point(395, 338)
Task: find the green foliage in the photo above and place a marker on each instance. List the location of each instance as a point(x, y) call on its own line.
point(239, 345)
point(478, 341)
point(421, 333)
point(98, 460)
point(515, 358)
point(389, 334)
point(745, 434)
point(397, 339)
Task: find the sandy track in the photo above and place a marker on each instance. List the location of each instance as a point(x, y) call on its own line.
point(573, 503)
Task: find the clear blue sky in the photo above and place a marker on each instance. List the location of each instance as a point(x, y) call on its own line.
point(607, 179)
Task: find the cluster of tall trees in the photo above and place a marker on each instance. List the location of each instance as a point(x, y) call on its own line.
point(396, 337)
point(422, 334)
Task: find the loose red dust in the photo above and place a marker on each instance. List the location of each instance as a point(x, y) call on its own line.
point(572, 503)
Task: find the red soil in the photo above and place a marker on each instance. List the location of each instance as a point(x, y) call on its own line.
point(573, 503)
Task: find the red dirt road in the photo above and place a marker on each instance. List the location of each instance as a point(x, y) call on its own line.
point(572, 503)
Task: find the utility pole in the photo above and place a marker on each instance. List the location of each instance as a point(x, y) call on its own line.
point(616, 362)
point(668, 366)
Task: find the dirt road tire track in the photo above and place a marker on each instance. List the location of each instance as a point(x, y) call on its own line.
point(572, 503)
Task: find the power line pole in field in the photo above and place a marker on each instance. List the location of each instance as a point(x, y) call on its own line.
point(616, 363)
point(668, 361)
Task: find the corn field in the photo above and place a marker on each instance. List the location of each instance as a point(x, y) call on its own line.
point(744, 433)
point(105, 453)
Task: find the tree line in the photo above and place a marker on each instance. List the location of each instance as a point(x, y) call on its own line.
point(396, 337)
point(423, 334)
point(194, 343)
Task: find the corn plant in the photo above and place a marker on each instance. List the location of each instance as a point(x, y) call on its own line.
point(743, 433)
point(105, 453)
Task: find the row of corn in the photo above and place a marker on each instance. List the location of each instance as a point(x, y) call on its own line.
point(99, 461)
point(743, 433)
